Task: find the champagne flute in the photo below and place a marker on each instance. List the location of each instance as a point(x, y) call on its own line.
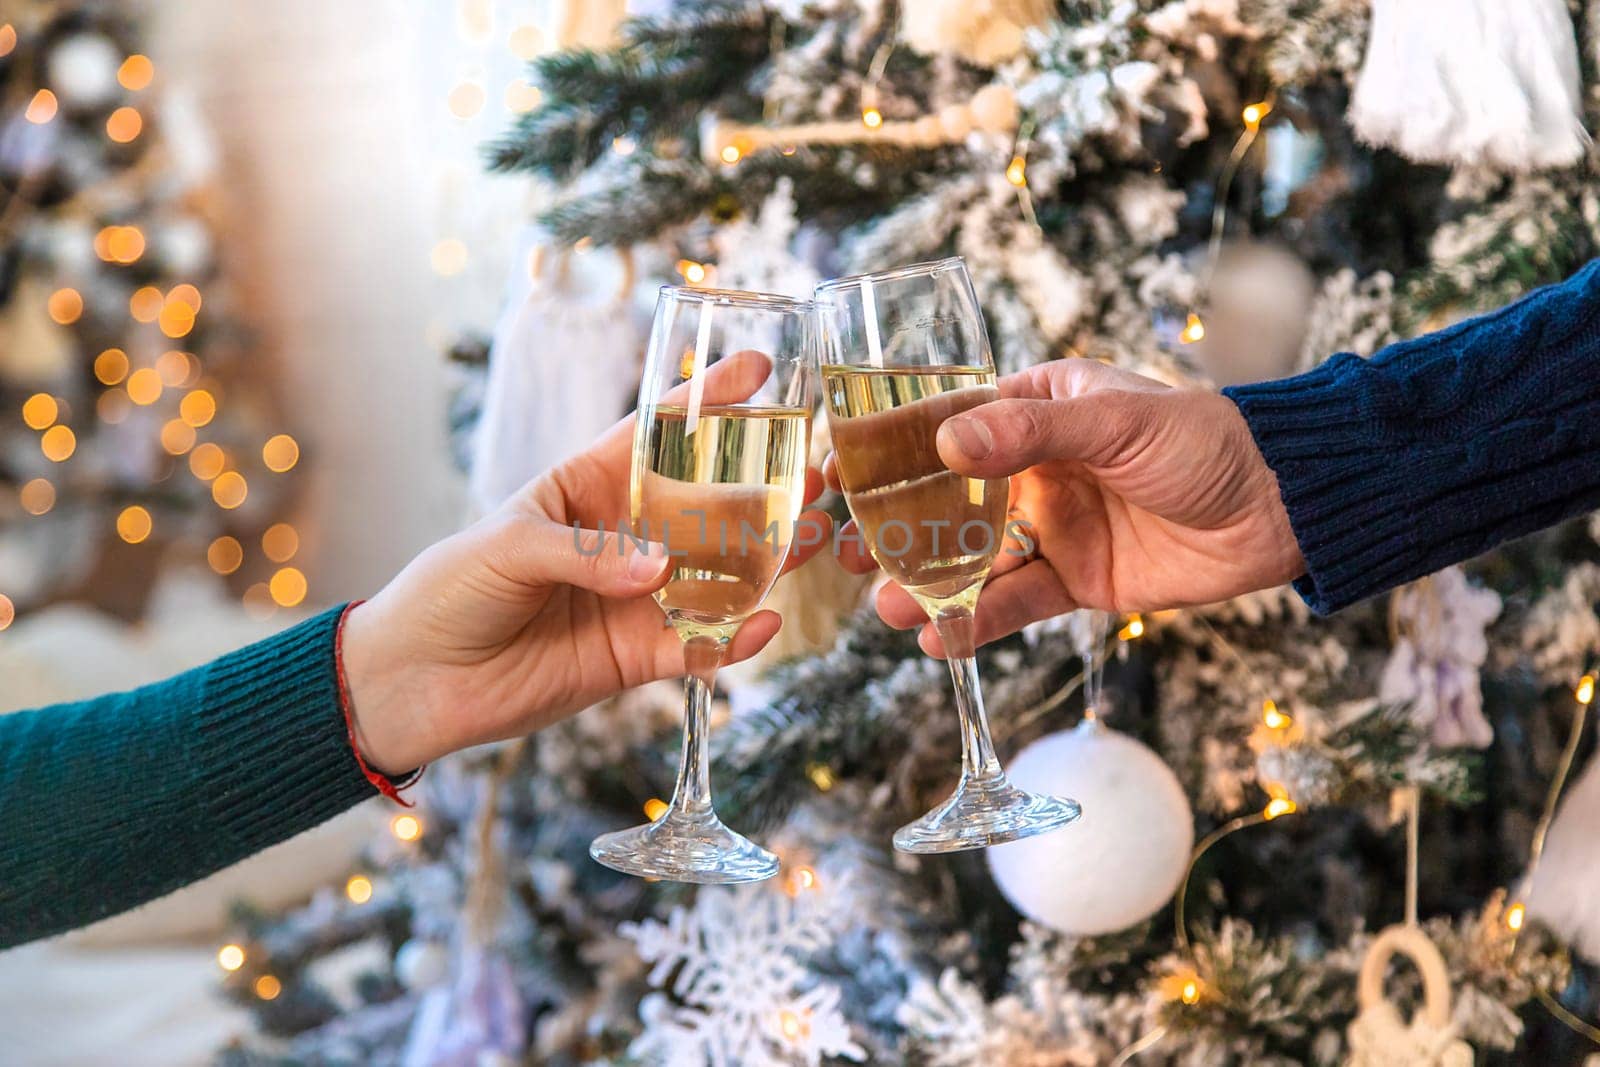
point(719, 471)
point(903, 350)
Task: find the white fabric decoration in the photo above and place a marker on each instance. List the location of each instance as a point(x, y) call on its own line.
point(1379, 1037)
point(1434, 666)
point(1561, 894)
point(564, 366)
point(1472, 82)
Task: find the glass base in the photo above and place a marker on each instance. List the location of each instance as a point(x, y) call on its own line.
point(681, 847)
point(984, 812)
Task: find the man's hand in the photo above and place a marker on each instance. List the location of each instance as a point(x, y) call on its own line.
point(1140, 496)
point(507, 626)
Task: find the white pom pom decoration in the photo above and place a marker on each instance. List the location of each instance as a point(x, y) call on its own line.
point(82, 70)
point(421, 964)
point(1118, 864)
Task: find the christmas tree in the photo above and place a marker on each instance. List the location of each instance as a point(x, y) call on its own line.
point(135, 426)
point(1202, 190)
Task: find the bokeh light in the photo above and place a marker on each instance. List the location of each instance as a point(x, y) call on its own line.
point(521, 97)
point(358, 889)
point(225, 555)
point(124, 124)
point(42, 108)
point(176, 318)
point(8, 611)
point(267, 987)
point(58, 443)
point(449, 257)
point(230, 957)
point(134, 524)
point(177, 436)
point(111, 366)
point(8, 38)
point(288, 587)
point(37, 496)
point(280, 542)
point(207, 461)
point(526, 42)
point(280, 453)
point(197, 407)
point(406, 827)
point(136, 72)
point(144, 386)
point(40, 410)
point(466, 99)
point(65, 306)
point(229, 490)
point(146, 303)
point(258, 603)
point(184, 294)
point(113, 406)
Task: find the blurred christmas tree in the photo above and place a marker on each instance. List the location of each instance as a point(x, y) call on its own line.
point(135, 425)
point(1175, 187)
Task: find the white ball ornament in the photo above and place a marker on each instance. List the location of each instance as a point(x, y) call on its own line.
point(421, 964)
point(82, 70)
point(1118, 864)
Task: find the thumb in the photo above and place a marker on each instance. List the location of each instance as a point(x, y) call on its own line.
point(1001, 438)
point(541, 552)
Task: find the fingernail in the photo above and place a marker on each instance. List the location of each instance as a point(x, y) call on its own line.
point(971, 436)
point(645, 563)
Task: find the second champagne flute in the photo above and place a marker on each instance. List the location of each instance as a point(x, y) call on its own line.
point(903, 350)
point(719, 471)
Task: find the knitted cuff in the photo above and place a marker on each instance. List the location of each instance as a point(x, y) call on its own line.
point(273, 727)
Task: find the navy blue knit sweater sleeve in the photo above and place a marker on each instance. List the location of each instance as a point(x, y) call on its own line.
point(112, 802)
point(1440, 447)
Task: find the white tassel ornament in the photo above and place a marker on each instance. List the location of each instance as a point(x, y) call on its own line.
point(1472, 82)
point(1561, 894)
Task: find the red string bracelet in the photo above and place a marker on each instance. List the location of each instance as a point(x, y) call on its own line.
point(381, 782)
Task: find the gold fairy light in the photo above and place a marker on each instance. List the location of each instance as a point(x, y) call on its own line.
point(1254, 113)
point(230, 957)
point(197, 408)
point(1272, 717)
point(8, 39)
point(730, 154)
point(267, 987)
point(406, 827)
point(871, 118)
point(207, 461)
point(144, 386)
point(792, 1025)
point(42, 108)
point(146, 303)
point(280, 542)
point(1134, 628)
point(136, 72)
point(113, 406)
point(1193, 330)
point(40, 411)
point(1278, 807)
point(358, 889)
point(37, 496)
point(124, 124)
point(821, 776)
point(287, 586)
point(225, 554)
point(1585, 690)
point(229, 491)
point(8, 611)
point(174, 367)
point(65, 306)
point(257, 601)
point(134, 524)
point(58, 443)
point(1017, 171)
point(177, 437)
point(111, 366)
point(1515, 916)
point(280, 453)
point(176, 318)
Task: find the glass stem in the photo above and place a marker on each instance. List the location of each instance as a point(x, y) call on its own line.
point(701, 657)
point(978, 760)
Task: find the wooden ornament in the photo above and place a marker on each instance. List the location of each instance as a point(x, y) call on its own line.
point(1379, 1037)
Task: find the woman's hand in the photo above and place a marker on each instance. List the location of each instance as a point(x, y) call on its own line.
point(508, 626)
point(1140, 496)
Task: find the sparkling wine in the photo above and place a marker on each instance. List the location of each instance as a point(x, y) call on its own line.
point(934, 532)
point(723, 493)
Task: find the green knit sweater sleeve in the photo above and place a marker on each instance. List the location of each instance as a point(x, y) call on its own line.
point(111, 802)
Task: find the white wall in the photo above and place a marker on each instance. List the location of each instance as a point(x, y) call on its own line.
point(330, 183)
